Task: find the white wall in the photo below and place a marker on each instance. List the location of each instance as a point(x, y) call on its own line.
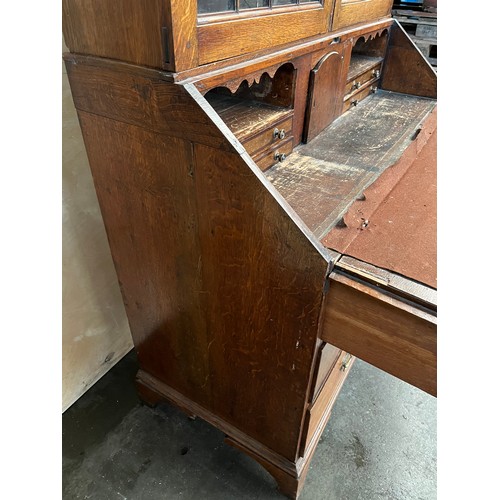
point(96, 334)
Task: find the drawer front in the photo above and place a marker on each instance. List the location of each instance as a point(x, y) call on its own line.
point(356, 98)
point(355, 83)
point(274, 155)
point(319, 412)
point(327, 357)
point(277, 134)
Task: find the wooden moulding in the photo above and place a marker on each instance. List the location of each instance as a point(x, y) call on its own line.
point(289, 475)
point(214, 74)
point(383, 329)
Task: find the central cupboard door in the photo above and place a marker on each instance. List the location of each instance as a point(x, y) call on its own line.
point(325, 94)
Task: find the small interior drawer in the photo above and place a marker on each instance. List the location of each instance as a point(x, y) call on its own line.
point(278, 133)
point(278, 153)
point(355, 98)
point(358, 81)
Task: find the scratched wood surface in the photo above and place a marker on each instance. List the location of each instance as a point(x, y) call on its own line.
point(321, 179)
point(222, 288)
point(246, 118)
point(406, 69)
point(360, 63)
point(394, 225)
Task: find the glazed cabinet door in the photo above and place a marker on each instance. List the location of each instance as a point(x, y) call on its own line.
point(228, 28)
point(352, 12)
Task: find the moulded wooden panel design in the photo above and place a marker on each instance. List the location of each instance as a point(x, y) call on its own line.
point(325, 94)
point(406, 70)
point(221, 40)
point(349, 13)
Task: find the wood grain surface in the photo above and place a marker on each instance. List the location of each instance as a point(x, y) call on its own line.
point(352, 13)
point(246, 33)
point(323, 178)
point(325, 94)
point(222, 288)
point(406, 70)
point(140, 97)
point(128, 30)
point(383, 330)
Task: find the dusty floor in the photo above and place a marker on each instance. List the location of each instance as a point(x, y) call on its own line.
point(380, 443)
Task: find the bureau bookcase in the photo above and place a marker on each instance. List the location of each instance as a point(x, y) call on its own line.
point(266, 175)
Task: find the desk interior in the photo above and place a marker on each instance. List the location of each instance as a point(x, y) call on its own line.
point(321, 179)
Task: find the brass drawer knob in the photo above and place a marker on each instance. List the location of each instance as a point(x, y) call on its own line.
point(376, 73)
point(279, 156)
point(354, 102)
point(279, 134)
point(373, 89)
point(356, 85)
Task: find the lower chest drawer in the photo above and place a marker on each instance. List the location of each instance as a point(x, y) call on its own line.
point(319, 412)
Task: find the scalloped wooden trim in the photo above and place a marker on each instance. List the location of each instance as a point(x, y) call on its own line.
point(253, 77)
point(371, 36)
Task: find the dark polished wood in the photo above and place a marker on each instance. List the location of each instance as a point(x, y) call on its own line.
point(406, 70)
point(325, 96)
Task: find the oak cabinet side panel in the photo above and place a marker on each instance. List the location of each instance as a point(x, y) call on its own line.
point(140, 97)
point(223, 289)
point(406, 70)
point(264, 296)
point(146, 193)
point(128, 30)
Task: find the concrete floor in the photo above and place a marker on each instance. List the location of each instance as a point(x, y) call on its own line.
point(380, 443)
